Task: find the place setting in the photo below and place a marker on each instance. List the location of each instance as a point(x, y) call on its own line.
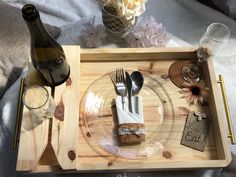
point(124, 113)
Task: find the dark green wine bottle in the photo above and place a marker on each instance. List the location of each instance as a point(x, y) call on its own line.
point(47, 54)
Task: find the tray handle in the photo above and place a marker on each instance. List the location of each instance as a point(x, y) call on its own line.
point(18, 115)
point(226, 106)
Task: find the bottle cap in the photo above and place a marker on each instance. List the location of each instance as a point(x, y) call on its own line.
point(30, 12)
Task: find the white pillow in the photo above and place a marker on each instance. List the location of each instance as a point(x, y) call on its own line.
point(228, 6)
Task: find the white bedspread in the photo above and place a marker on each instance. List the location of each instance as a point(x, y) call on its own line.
point(186, 20)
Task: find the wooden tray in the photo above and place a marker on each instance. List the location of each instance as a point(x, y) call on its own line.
point(42, 151)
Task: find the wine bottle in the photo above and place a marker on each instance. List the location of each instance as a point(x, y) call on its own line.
point(47, 54)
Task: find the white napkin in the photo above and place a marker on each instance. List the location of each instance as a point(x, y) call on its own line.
point(124, 116)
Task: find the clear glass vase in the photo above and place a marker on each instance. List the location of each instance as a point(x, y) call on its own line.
point(118, 27)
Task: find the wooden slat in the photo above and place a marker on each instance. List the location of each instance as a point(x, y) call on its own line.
point(218, 114)
point(65, 132)
point(136, 54)
point(34, 134)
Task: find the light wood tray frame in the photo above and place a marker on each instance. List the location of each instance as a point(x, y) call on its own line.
point(93, 63)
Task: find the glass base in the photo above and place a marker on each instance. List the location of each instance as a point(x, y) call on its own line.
point(188, 74)
point(116, 37)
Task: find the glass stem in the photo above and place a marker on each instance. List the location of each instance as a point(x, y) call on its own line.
point(195, 67)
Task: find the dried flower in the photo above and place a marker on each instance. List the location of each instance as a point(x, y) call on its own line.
point(148, 33)
point(194, 92)
point(92, 34)
point(138, 39)
point(126, 8)
point(133, 8)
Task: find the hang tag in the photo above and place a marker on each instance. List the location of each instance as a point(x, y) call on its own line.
point(196, 131)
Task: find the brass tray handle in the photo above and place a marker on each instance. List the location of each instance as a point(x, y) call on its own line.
point(226, 105)
point(18, 115)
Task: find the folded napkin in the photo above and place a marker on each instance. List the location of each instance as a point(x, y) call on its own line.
point(130, 129)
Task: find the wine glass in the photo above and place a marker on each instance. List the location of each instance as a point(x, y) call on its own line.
point(216, 35)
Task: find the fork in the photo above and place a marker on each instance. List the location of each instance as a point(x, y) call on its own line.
point(119, 82)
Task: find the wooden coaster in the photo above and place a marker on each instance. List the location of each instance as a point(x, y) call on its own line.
point(175, 72)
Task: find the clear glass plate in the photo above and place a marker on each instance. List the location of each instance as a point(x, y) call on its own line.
point(99, 113)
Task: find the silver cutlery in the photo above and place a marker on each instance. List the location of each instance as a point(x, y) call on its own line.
point(137, 84)
point(120, 84)
point(137, 80)
point(129, 89)
point(131, 83)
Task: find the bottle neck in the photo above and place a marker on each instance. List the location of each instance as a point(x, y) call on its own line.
point(37, 31)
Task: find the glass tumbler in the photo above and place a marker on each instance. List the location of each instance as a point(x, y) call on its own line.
point(39, 102)
point(216, 35)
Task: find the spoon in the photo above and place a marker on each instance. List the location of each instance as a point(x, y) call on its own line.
point(137, 80)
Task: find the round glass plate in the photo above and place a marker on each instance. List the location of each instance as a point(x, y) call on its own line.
point(99, 113)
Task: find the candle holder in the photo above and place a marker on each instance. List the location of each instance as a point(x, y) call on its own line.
point(118, 27)
point(119, 17)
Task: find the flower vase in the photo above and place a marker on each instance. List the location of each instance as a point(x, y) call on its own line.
point(118, 27)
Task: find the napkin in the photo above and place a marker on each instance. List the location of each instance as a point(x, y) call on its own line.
point(131, 128)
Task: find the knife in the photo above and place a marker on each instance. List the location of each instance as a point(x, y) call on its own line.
point(129, 89)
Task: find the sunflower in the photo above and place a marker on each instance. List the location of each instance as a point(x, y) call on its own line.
point(194, 92)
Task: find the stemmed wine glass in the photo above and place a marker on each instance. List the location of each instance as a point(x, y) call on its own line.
point(216, 35)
